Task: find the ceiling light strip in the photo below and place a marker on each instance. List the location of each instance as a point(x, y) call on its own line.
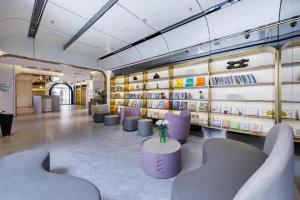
point(176, 25)
point(90, 23)
point(37, 13)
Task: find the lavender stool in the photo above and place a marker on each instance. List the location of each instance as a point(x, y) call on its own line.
point(161, 160)
point(145, 127)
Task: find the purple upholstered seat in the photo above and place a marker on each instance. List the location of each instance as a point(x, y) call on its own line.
point(128, 111)
point(179, 125)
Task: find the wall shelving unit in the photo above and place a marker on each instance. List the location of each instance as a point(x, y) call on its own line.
point(247, 107)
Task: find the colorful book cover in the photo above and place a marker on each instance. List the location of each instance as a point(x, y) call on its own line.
point(200, 81)
point(178, 83)
point(192, 106)
point(216, 122)
point(166, 105)
point(189, 82)
point(234, 125)
point(226, 123)
point(161, 104)
point(202, 107)
point(176, 105)
point(183, 105)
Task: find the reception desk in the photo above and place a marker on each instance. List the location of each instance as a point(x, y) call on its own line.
point(43, 104)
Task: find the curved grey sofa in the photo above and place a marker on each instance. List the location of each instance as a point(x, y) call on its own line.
point(234, 170)
point(26, 176)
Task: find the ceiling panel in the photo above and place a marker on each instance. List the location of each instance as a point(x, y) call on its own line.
point(87, 50)
point(206, 4)
point(100, 40)
point(240, 17)
point(60, 19)
point(86, 9)
point(16, 9)
point(160, 14)
point(153, 47)
point(187, 35)
point(123, 25)
point(130, 55)
point(289, 8)
point(110, 62)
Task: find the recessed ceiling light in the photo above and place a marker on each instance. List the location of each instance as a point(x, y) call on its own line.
point(144, 20)
point(190, 9)
point(52, 21)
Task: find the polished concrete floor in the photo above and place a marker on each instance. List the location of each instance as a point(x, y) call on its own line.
point(106, 156)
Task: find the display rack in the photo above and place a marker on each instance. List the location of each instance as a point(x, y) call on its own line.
point(247, 105)
point(290, 71)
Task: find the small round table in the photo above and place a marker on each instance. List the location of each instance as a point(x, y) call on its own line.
point(161, 160)
point(111, 120)
point(145, 127)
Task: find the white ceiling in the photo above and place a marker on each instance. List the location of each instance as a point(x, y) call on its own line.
point(65, 72)
point(128, 21)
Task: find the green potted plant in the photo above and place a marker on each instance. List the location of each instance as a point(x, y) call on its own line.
point(100, 97)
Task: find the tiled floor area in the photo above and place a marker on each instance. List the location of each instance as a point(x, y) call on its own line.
point(106, 156)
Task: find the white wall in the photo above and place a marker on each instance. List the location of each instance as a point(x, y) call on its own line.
point(7, 99)
point(24, 93)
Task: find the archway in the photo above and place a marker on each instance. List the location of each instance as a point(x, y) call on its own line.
point(64, 90)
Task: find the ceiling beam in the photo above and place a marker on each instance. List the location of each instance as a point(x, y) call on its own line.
point(174, 26)
point(37, 13)
point(90, 23)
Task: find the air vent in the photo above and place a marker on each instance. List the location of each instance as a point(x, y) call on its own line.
point(77, 73)
point(37, 13)
point(31, 67)
point(59, 71)
point(46, 69)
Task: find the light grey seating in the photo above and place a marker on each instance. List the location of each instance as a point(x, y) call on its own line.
point(99, 117)
point(111, 120)
point(103, 108)
point(27, 176)
point(145, 127)
point(234, 170)
point(130, 123)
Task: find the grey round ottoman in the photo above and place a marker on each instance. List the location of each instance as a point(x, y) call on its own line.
point(130, 123)
point(99, 117)
point(145, 127)
point(111, 120)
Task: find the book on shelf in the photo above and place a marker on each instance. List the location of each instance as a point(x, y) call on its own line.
point(154, 104)
point(189, 82)
point(256, 127)
point(203, 106)
point(178, 83)
point(166, 105)
point(226, 109)
point(161, 115)
point(195, 118)
point(236, 110)
point(200, 81)
point(192, 106)
point(161, 104)
point(226, 123)
point(183, 105)
point(176, 105)
point(203, 120)
point(149, 104)
point(216, 122)
point(288, 114)
point(233, 80)
point(215, 109)
point(234, 124)
point(244, 126)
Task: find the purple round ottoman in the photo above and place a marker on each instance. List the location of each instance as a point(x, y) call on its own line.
point(161, 160)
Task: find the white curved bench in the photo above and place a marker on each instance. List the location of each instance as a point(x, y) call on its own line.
point(234, 170)
point(26, 176)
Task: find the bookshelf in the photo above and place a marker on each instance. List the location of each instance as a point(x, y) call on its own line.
point(290, 70)
point(240, 100)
